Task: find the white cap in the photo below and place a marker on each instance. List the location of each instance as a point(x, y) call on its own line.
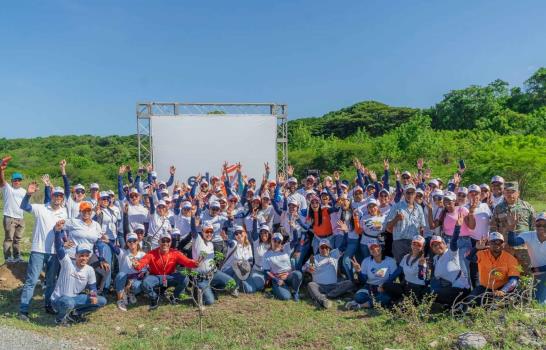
point(541, 216)
point(325, 242)
point(257, 198)
point(495, 236)
point(278, 236)
point(104, 194)
point(419, 190)
point(437, 193)
point(450, 195)
point(167, 199)
point(110, 193)
point(133, 190)
point(409, 187)
point(292, 179)
point(484, 186)
point(418, 238)
point(497, 178)
point(84, 248)
point(186, 205)
point(435, 238)
point(434, 182)
point(406, 173)
point(222, 199)
point(474, 188)
point(204, 182)
point(293, 201)
point(79, 187)
point(344, 185)
point(58, 190)
point(161, 202)
point(164, 235)
point(215, 204)
point(372, 201)
point(94, 186)
point(207, 225)
point(132, 236)
point(138, 227)
point(462, 190)
point(162, 183)
point(356, 188)
point(265, 227)
point(237, 228)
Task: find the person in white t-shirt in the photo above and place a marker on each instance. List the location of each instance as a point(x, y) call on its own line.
point(75, 276)
point(72, 201)
point(14, 224)
point(42, 252)
point(323, 267)
point(482, 216)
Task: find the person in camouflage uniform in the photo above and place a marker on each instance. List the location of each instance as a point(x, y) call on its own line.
point(524, 216)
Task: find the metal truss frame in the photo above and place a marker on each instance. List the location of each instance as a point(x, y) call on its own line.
point(146, 110)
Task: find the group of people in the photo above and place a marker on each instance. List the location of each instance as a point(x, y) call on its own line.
point(365, 238)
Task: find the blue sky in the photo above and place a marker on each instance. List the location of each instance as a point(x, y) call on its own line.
point(79, 67)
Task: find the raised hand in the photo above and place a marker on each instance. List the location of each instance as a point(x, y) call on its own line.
point(62, 165)
point(342, 226)
point(224, 235)
point(32, 188)
point(149, 167)
point(356, 265)
point(267, 168)
point(397, 174)
point(290, 170)
point(427, 174)
point(59, 225)
point(336, 175)
point(460, 218)
point(373, 176)
point(4, 164)
point(456, 179)
point(45, 180)
point(399, 215)
point(481, 244)
point(280, 178)
point(386, 164)
point(122, 169)
point(172, 170)
point(420, 163)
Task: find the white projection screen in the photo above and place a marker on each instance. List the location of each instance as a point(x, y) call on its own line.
point(201, 143)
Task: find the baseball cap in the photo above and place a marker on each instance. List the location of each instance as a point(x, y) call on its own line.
point(17, 176)
point(233, 196)
point(498, 179)
point(474, 188)
point(407, 173)
point(511, 186)
point(409, 187)
point(58, 190)
point(237, 228)
point(204, 182)
point(162, 183)
point(215, 204)
point(84, 248)
point(314, 197)
point(110, 193)
point(462, 190)
point(257, 198)
point(374, 243)
point(292, 179)
point(325, 242)
point(344, 184)
point(266, 195)
point(85, 206)
point(355, 189)
point(104, 194)
point(278, 236)
point(372, 201)
point(133, 190)
point(186, 205)
point(161, 203)
point(94, 186)
point(434, 182)
point(164, 235)
point(164, 191)
point(437, 193)
point(207, 226)
point(496, 236)
point(370, 186)
point(419, 190)
point(484, 186)
point(167, 199)
point(79, 187)
point(222, 199)
point(450, 195)
point(418, 238)
point(293, 201)
point(250, 190)
point(310, 178)
point(137, 227)
point(384, 190)
point(436, 239)
point(265, 227)
point(131, 236)
point(541, 216)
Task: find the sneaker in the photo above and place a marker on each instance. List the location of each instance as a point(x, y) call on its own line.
point(18, 259)
point(326, 304)
point(23, 316)
point(353, 305)
point(63, 322)
point(235, 293)
point(296, 297)
point(122, 306)
point(10, 260)
point(132, 299)
point(75, 317)
point(153, 304)
point(173, 300)
point(50, 310)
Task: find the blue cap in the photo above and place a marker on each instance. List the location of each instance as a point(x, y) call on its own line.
point(16, 176)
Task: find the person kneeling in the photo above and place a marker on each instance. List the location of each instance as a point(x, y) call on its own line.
point(277, 267)
point(323, 267)
point(373, 273)
point(75, 276)
point(498, 269)
point(162, 264)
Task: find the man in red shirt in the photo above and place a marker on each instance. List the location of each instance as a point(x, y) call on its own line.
point(161, 263)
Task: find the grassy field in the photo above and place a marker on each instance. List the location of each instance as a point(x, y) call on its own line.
point(259, 322)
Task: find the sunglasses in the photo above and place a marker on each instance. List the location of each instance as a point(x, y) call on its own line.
point(134, 195)
point(236, 233)
point(461, 195)
point(186, 208)
point(208, 231)
point(58, 195)
point(132, 241)
point(324, 247)
point(214, 209)
point(80, 191)
point(165, 240)
point(405, 177)
point(16, 180)
point(233, 200)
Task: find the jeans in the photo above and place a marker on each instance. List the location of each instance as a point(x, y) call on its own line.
point(400, 247)
point(350, 251)
point(540, 292)
point(367, 295)
point(293, 281)
point(448, 295)
point(305, 253)
point(321, 292)
point(121, 281)
point(80, 303)
point(176, 280)
point(254, 283)
point(36, 264)
point(398, 290)
point(219, 281)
